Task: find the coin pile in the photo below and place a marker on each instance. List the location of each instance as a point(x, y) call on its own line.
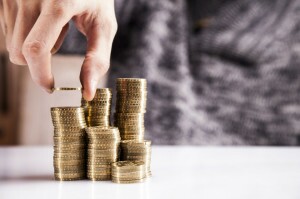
point(137, 151)
point(69, 143)
point(103, 149)
point(131, 107)
point(128, 172)
point(97, 111)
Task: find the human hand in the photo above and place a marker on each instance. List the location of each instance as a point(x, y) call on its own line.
point(35, 29)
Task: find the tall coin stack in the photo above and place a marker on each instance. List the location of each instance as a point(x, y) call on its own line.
point(137, 151)
point(103, 149)
point(69, 143)
point(97, 111)
point(128, 172)
point(131, 107)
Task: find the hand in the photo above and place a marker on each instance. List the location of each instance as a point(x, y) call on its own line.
point(35, 29)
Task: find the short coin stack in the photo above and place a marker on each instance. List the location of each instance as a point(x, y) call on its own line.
point(131, 107)
point(97, 111)
point(137, 151)
point(103, 149)
point(128, 172)
point(69, 143)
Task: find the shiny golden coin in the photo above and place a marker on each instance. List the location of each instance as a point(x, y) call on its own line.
point(66, 89)
point(102, 158)
point(113, 154)
point(69, 162)
point(131, 110)
point(106, 152)
point(132, 143)
point(69, 175)
point(104, 171)
point(132, 100)
point(130, 115)
point(98, 166)
point(131, 129)
point(94, 169)
point(116, 180)
point(72, 168)
point(70, 149)
point(99, 171)
point(67, 109)
point(70, 135)
point(131, 88)
point(65, 172)
point(101, 129)
point(99, 175)
point(104, 136)
point(128, 164)
point(133, 137)
point(105, 90)
point(59, 143)
point(68, 156)
point(74, 123)
point(68, 179)
point(101, 147)
point(119, 80)
point(97, 178)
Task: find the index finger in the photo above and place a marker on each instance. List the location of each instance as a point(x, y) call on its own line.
point(38, 45)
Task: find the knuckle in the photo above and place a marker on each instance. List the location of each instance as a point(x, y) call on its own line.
point(59, 8)
point(114, 26)
point(33, 49)
point(111, 25)
point(57, 11)
point(108, 24)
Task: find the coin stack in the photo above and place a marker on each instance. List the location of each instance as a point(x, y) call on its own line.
point(137, 151)
point(128, 172)
point(103, 149)
point(97, 111)
point(69, 143)
point(131, 107)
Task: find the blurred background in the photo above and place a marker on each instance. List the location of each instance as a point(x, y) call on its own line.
point(223, 72)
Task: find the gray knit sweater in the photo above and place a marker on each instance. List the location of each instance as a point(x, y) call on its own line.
point(232, 81)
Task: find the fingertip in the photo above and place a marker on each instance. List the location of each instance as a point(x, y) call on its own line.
point(89, 78)
point(89, 89)
point(47, 84)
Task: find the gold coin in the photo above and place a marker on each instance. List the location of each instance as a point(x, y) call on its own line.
point(132, 143)
point(101, 129)
point(66, 89)
point(69, 175)
point(67, 109)
point(116, 180)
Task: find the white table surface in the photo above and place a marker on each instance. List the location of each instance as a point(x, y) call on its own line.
point(178, 172)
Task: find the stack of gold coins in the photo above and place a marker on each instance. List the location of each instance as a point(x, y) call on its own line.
point(69, 143)
point(137, 151)
point(103, 149)
point(97, 111)
point(131, 107)
point(128, 172)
